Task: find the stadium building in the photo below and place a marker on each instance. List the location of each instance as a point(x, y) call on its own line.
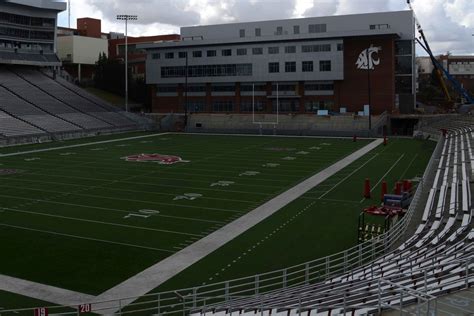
point(334, 63)
point(28, 32)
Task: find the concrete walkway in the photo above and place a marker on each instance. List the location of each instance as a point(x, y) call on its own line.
point(43, 292)
point(154, 276)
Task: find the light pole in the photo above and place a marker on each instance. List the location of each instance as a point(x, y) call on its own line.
point(126, 18)
point(368, 89)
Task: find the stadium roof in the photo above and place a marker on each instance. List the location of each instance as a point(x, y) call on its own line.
point(41, 4)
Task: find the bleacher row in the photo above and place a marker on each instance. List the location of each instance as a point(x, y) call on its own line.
point(32, 103)
point(436, 260)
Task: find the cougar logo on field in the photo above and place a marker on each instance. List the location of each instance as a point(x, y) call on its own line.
point(366, 58)
point(161, 159)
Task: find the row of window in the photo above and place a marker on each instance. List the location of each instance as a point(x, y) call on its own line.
point(260, 106)
point(306, 66)
point(233, 70)
point(26, 20)
point(27, 34)
point(312, 28)
point(228, 70)
point(315, 48)
point(246, 87)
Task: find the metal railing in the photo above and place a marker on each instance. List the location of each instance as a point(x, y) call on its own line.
point(183, 300)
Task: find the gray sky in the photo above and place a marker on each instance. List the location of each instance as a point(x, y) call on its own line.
point(448, 24)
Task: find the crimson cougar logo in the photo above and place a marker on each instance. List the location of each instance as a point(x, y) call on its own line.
point(161, 159)
point(366, 59)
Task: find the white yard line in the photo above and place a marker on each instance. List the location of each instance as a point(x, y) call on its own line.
point(386, 173)
point(84, 238)
point(164, 270)
point(43, 292)
point(99, 222)
point(79, 145)
point(347, 177)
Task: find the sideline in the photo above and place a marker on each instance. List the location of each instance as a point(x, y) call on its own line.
point(79, 145)
point(43, 292)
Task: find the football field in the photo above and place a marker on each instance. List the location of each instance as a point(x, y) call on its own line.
point(86, 218)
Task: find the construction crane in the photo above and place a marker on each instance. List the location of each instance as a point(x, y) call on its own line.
point(439, 69)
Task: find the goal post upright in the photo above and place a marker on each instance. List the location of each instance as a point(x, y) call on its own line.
point(261, 123)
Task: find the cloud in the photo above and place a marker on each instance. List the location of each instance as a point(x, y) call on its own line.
point(448, 24)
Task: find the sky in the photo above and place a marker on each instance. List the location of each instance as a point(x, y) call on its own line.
point(448, 24)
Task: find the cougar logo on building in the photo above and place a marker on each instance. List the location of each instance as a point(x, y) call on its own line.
point(367, 60)
point(161, 159)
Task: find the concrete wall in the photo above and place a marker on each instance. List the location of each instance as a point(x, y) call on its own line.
point(83, 50)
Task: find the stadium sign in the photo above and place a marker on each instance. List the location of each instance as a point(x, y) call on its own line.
point(159, 158)
point(366, 59)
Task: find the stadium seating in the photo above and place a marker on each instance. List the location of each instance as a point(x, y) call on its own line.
point(72, 98)
point(437, 259)
point(41, 105)
point(10, 126)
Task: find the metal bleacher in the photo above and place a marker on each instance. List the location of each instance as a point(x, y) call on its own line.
point(10, 126)
point(42, 106)
point(73, 98)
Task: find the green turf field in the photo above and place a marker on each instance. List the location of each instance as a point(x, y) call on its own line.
point(320, 223)
point(85, 219)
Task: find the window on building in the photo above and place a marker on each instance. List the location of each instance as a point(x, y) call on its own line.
point(286, 105)
point(211, 53)
point(403, 47)
point(222, 106)
point(290, 66)
point(290, 49)
point(317, 28)
point(324, 65)
point(226, 52)
point(257, 51)
point(155, 56)
point(319, 87)
point(273, 67)
point(296, 29)
point(258, 32)
point(274, 50)
point(312, 106)
point(403, 84)
point(182, 54)
point(279, 30)
point(241, 51)
point(316, 48)
point(169, 55)
point(340, 47)
point(246, 87)
point(242, 33)
point(307, 66)
point(223, 88)
point(379, 26)
point(249, 106)
point(196, 106)
point(226, 70)
point(197, 54)
point(403, 65)
point(196, 88)
point(166, 89)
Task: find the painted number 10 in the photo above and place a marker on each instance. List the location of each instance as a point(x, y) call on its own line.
point(145, 213)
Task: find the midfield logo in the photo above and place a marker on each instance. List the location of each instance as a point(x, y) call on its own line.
point(161, 159)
